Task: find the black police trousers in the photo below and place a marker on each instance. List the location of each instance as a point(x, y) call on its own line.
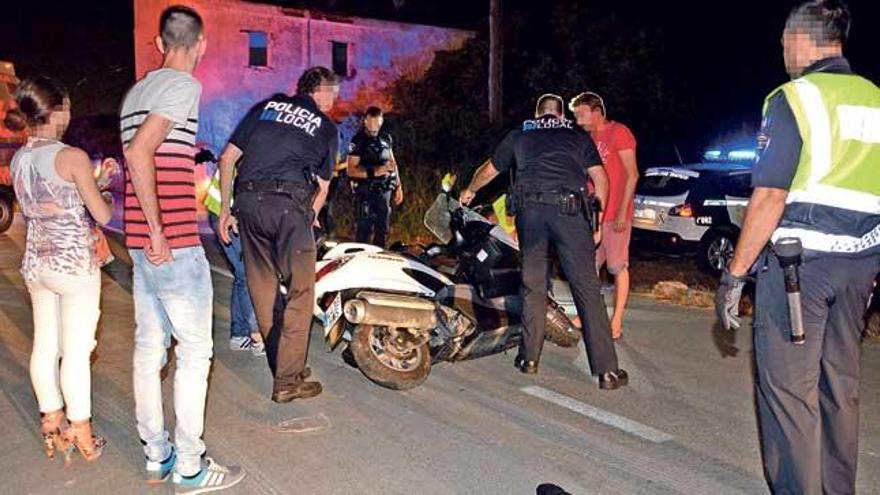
point(808, 395)
point(279, 248)
point(539, 226)
point(326, 215)
point(373, 211)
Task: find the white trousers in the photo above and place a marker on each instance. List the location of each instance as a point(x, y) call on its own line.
point(66, 312)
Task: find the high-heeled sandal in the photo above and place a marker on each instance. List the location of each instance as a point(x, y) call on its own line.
point(79, 437)
point(52, 424)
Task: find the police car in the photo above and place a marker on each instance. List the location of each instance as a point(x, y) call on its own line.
point(694, 208)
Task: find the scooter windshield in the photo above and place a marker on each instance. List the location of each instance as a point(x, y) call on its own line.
point(438, 220)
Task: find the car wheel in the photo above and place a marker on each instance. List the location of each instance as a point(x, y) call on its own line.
point(716, 250)
point(7, 211)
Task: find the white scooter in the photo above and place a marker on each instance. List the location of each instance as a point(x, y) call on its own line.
point(399, 314)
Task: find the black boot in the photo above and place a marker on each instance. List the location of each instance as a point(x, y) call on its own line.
point(613, 379)
point(527, 367)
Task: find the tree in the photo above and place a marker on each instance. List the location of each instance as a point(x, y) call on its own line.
point(495, 56)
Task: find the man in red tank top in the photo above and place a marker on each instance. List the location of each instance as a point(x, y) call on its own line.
point(617, 147)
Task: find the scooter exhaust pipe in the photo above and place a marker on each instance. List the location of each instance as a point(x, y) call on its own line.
point(390, 310)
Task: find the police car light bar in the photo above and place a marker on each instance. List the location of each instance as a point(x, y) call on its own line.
point(741, 155)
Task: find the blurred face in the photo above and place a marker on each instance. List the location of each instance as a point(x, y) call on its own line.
point(59, 119)
point(798, 50)
point(586, 117)
point(325, 96)
point(373, 124)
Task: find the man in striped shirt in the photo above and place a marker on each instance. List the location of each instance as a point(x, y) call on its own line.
point(172, 288)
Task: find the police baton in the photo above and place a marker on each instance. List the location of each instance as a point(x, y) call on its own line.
point(789, 251)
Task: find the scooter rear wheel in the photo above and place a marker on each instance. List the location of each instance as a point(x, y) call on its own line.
point(387, 364)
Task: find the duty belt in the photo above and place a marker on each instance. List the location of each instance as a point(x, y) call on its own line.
point(275, 186)
point(376, 184)
point(540, 197)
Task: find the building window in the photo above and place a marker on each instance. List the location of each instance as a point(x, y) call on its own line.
point(258, 49)
point(340, 58)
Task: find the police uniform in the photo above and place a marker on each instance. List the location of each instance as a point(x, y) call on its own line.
point(373, 194)
point(551, 158)
point(287, 143)
point(819, 140)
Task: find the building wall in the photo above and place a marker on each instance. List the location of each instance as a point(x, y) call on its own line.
point(379, 53)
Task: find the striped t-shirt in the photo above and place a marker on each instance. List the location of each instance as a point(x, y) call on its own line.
point(173, 95)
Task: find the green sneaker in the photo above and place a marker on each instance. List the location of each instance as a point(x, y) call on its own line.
point(211, 478)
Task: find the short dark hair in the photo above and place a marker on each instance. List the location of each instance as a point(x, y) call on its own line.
point(549, 103)
point(373, 111)
point(313, 77)
point(589, 98)
point(180, 27)
point(36, 99)
point(826, 21)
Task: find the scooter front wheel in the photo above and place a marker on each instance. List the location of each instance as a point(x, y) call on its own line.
point(387, 361)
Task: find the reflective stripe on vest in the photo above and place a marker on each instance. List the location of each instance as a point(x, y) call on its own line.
point(212, 198)
point(838, 117)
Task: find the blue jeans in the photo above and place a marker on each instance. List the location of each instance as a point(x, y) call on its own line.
point(173, 299)
point(243, 321)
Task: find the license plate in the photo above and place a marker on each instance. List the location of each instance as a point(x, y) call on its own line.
point(332, 315)
point(645, 214)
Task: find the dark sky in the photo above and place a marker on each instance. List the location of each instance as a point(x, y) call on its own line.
point(726, 53)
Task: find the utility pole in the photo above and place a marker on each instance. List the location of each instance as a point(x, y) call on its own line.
point(495, 42)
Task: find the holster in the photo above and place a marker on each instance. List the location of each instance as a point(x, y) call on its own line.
point(511, 203)
point(312, 180)
point(591, 210)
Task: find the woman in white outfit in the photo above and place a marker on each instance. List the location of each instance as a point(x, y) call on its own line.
point(55, 187)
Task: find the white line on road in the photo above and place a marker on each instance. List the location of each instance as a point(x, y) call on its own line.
point(600, 415)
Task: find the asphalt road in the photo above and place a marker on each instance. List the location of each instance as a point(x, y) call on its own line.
point(686, 423)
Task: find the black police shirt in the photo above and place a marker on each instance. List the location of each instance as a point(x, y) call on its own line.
point(285, 138)
point(373, 151)
point(779, 140)
point(550, 154)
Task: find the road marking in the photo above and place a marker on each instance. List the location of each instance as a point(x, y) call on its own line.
point(307, 424)
point(600, 415)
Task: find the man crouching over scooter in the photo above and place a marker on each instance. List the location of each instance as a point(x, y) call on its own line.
point(289, 148)
point(553, 159)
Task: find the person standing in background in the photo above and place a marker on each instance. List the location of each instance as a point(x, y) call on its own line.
point(617, 147)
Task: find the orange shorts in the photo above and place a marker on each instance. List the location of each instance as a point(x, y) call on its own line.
point(614, 248)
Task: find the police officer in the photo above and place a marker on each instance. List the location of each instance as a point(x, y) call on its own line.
point(817, 180)
point(553, 160)
point(374, 175)
point(287, 146)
